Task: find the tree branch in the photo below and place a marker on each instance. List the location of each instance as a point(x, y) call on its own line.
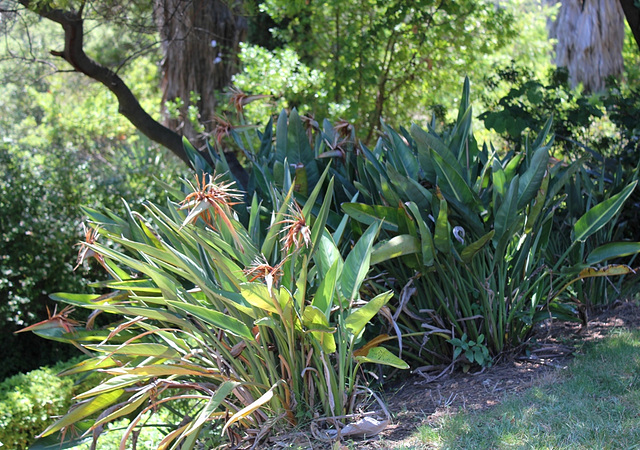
point(73, 53)
point(129, 106)
point(632, 13)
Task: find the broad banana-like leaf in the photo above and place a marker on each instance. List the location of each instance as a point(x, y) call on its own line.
point(127, 408)
point(84, 410)
point(453, 184)
point(150, 313)
point(470, 250)
point(408, 162)
point(259, 296)
point(538, 204)
point(87, 365)
point(531, 180)
point(133, 349)
point(507, 213)
point(166, 370)
point(613, 250)
point(316, 321)
point(395, 247)
point(441, 238)
point(217, 319)
point(112, 384)
point(358, 319)
point(591, 272)
point(357, 264)
point(369, 214)
point(426, 238)
point(327, 254)
point(323, 299)
point(601, 214)
point(380, 355)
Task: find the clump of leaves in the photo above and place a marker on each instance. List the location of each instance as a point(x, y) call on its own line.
point(253, 334)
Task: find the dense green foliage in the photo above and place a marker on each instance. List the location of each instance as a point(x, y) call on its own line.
point(29, 401)
point(360, 61)
point(280, 343)
point(62, 147)
point(256, 310)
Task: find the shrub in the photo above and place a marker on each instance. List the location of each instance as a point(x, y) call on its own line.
point(40, 222)
point(483, 243)
point(258, 329)
point(29, 401)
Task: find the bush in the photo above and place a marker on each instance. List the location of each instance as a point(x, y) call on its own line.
point(40, 222)
point(258, 327)
point(29, 401)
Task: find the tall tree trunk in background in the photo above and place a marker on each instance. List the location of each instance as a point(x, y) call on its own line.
point(590, 36)
point(200, 41)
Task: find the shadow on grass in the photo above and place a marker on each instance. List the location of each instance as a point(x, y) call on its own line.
point(595, 403)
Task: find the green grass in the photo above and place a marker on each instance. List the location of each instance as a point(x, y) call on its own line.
point(594, 404)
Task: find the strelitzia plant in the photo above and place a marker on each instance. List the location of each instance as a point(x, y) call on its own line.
point(472, 229)
point(251, 335)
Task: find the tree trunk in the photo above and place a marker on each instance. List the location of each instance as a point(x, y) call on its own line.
point(200, 40)
point(590, 36)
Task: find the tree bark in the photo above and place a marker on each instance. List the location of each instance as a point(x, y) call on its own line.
point(590, 39)
point(201, 42)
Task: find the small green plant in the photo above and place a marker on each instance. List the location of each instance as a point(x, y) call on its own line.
point(474, 351)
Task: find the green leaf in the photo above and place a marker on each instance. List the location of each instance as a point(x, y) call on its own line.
point(327, 254)
point(127, 408)
point(470, 250)
point(426, 238)
point(380, 355)
point(248, 410)
point(258, 296)
point(442, 239)
point(395, 247)
point(115, 383)
point(145, 349)
point(507, 213)
point(613, 250)
point(323, 299)
point(222, 392)
point(217, 319)
point(315, 320)
point(452, 183)
point(358, 319)
point(356, 266)
point(84, 410)
point(601, 214)
point(369, 214)
point(531, 180)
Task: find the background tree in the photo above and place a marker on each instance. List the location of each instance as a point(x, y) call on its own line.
point(182, 25)
point(366, 60)
point(200, 43)
point(590, 37)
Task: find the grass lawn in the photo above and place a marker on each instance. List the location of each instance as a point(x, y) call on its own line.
point(594, 404)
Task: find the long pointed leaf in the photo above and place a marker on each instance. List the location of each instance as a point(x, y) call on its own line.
point(601, 214)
